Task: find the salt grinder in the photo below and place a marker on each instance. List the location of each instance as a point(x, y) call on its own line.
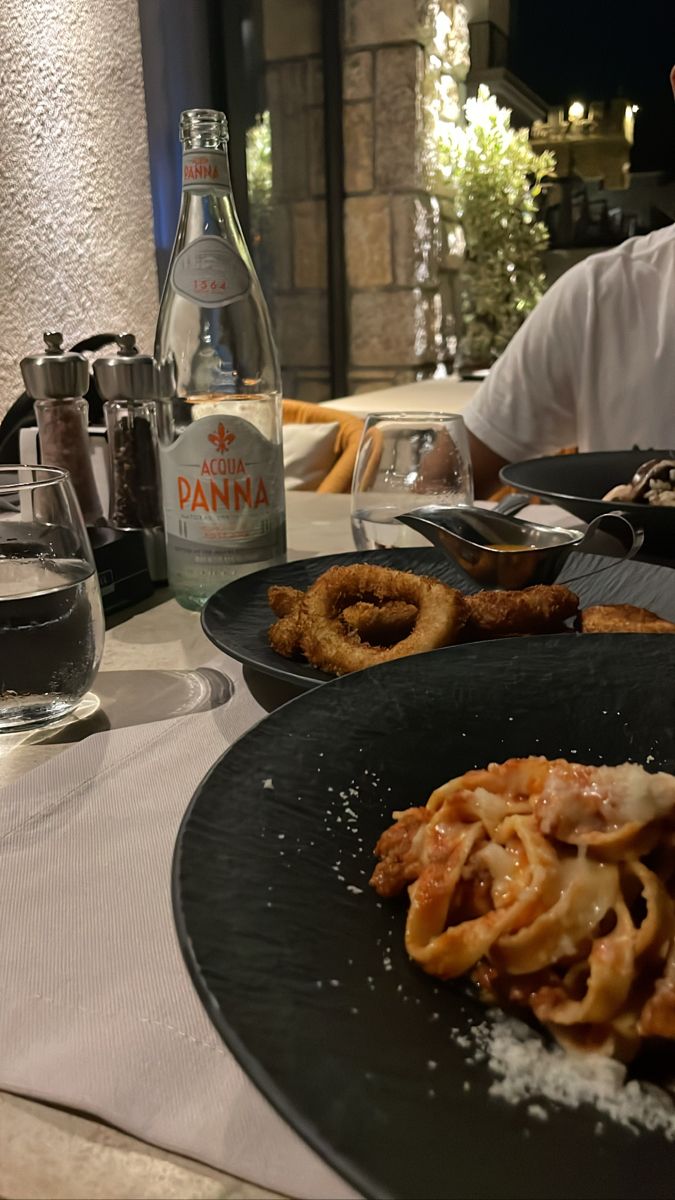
point(128, 383)
point(57, 381)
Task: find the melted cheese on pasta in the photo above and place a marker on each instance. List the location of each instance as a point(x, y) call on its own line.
point(591, 797)
point(553, 883)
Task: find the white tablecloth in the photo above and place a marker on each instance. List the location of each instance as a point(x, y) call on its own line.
point(98, 1010)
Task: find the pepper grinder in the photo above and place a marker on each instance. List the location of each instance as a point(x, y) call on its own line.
point(128, 382)
point(57, 381)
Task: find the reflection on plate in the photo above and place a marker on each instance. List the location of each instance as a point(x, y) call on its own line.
point(303, 969)
point(237, 617)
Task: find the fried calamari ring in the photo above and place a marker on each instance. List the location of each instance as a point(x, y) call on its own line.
point(326, 643)
point(285, 636)
point(539, 609)
point(380, 625)
point(283, 600)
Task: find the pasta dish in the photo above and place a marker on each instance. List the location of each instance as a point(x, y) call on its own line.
point(553, 884)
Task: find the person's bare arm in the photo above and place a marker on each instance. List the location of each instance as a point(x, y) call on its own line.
point(527, 405)
point(486, 467)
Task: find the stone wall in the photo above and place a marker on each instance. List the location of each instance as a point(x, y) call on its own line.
point(77, 251)
point(294, 82)
point(404, 66)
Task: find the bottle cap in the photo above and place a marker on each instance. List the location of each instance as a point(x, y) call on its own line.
point(126, 375)
point(54, 374)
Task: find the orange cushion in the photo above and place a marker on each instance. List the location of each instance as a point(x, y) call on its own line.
point(348, 436)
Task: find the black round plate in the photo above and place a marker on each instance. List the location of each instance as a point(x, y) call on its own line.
point(303, 970)
point(577, 482)
point(236, 618)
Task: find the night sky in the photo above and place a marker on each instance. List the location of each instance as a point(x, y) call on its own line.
point(596, 49)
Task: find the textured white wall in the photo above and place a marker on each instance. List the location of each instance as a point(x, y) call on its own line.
point(76, 238)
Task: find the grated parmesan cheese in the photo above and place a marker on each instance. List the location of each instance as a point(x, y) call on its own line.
point(525, 1068)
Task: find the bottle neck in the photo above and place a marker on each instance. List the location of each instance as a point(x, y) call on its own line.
point(206, 169)
point(207, 202)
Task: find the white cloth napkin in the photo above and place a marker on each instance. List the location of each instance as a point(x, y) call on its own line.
point(98, 1012)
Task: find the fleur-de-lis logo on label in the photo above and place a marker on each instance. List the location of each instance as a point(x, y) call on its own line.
point(221, 440)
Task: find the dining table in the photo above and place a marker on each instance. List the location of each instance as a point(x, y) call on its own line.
point(440, 394)
point(91, 1106)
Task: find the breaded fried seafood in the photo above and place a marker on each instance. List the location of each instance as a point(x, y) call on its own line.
point(539, 609)
point(622, 618)
point(380, 625)
point(329, 646)
point(283, 600)
point(358, 615)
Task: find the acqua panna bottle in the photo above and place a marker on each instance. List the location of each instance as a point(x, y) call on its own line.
point(221, 427)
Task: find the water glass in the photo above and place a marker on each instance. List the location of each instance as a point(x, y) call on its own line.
point(406, 461)
point(51, 616)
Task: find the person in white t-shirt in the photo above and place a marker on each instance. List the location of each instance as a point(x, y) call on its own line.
point(593, 366)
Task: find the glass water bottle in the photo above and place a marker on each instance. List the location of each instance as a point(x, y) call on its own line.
point(221, 429)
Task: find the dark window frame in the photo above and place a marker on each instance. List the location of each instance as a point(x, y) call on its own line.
point(213, 60)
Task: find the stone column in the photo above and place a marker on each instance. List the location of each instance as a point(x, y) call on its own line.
point(404, 61)
point(77, 247)
point(294, 78)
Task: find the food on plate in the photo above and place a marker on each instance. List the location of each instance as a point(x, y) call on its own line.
point(538, 609)
point(360, 614)
point(653, 483)
point(622, 618)
point(283, 600)
point(553, 885)
point(284, 636)
point(380, 625)
point(330, 644)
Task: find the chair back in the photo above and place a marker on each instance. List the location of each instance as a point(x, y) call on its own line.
point(339, 477)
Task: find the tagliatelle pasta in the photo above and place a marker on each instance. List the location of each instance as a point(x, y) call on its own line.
point(553, 884)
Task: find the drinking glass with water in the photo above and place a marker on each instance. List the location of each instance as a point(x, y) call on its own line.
point(51, 617)
point(406, 461)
